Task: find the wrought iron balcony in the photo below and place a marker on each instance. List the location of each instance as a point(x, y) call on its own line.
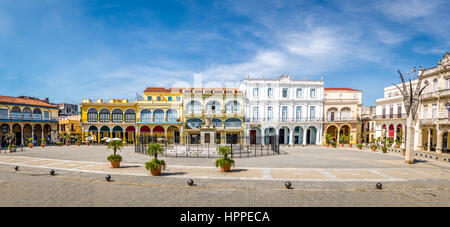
point(287, 120)
point(27, 118)
point(391, 116)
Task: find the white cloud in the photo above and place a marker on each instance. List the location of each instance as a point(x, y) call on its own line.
point(408, 9)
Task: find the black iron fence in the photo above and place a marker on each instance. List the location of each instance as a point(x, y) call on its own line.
point(240, 147)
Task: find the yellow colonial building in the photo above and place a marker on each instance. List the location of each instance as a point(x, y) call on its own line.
point(114, 118)
point(159, 114)
point(26, 118)
point(342, 113)
point(213, 115)
point(70, 125)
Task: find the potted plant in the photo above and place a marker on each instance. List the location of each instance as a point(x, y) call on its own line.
point(349, 139)
point(155, 165)
point(115, 159)
point(384, 149)
point(11, 148)
point(342, 140)
point(373, 147)
point(30, 142)
point(67, 137)
point(333, 144)
point(10, 140)
point(224, 162)
point(328, 139)
point(360, 146)
point(404, 151)
point(42, 143)
point(60, 143)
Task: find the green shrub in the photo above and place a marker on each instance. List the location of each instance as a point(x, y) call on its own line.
point(360, 146)
point(384, 149)
point(114, 157)
point(224, 151)
point(155, 163)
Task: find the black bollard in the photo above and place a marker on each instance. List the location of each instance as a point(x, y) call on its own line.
point(379, 185)
point(52, 172)
point(16, 168)
point(108, 178)
point(190, 182)
point(288, 185)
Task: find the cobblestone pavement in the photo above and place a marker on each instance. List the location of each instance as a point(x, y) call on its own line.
point(320, 177)
point(35, 187)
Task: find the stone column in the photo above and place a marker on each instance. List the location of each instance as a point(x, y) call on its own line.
point(429, 140)
point(291, 139)
point(304, 136)
point(23, 138)
point(438, 141)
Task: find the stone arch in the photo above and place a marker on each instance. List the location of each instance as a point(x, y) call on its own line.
point(311, 135)
point(298, 135)
point(255, 135)
point(284, 135)
point(173, 134)
point(194, 123)
point(38, 133)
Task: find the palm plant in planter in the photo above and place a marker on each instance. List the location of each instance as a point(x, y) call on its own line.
point(155, 165)
point(342, 140)
point(384, 148)
point(333, 144)
point(11, 148)
point(30, 142)
point(360, 146)
point(43, 143)
point(374, 147)
point(115, 159)
point(224, 162)
point(10, 140)
point(327, 139)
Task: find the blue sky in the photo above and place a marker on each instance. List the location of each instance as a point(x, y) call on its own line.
point(69, 50)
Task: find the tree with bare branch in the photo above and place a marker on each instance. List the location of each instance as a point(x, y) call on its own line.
point(411, 99)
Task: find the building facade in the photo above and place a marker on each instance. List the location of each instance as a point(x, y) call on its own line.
point(342, 113)
point(213, 115)
point(391, 115)
point(283, 107)
point(368, 124)
point(28, 117)
point(434, 108)
point(115, 118)
point(70, 125)
point(66, 109)
point(159, 114)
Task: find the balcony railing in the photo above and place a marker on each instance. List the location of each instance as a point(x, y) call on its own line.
point(342, 119)
point(27, 118)
point(287, 120)
point(391, 116)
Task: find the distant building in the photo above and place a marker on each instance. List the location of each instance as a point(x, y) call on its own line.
point(26, 118)
point(368, 123)
point(66, 109)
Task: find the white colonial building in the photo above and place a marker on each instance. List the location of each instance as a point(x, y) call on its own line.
point(391, 115)
point(289, 109)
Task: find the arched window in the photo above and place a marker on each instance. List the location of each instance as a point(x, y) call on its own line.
point(213, 107)
point(427, 89)
point(158, 115)
point(194, 123)
point(92, 115)
point(233, 107)
point(346, 114)
point(172, 115)
point(27, 113)
point(146, 116)
point(37, 114)
point(130, 115)
point(216, 122)
point(105, 115)
point(194, 107)
point(332, 114)
point(16, 113)
point(233, 123)
point(117, 115)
